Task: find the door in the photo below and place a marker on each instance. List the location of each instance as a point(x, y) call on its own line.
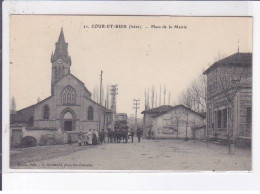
point(68, 125)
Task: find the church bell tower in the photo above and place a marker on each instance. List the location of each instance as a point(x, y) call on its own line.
point(61, 61)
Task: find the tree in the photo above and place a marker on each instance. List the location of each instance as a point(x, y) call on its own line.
point(199, 88)
point(186, 98)
point(152, 96)
point(194, 97)
point(164, 93)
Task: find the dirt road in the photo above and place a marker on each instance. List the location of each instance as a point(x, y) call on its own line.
point(149, 155)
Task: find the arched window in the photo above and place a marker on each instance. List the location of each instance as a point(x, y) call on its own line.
point(90, 113)
point(31, 122)
point(46, 112)
point(68, 96)
point(68, 115)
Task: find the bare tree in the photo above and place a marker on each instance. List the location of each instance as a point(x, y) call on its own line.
point(194, 97)
point(199, 87)
point(169, 98)
point(13, 106)
point(164, 93)
point(186, 98)
point(160, 95)
point(152, 96)
point(155, 105)
point(148, 98)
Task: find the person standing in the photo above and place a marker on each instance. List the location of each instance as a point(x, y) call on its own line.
point(132, 133)
point(139, 133)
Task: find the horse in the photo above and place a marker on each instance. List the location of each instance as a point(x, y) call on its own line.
point(125, 135)
point(110, 136)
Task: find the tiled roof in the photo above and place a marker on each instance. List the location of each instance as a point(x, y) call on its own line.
point(235, 59)
point(159, 109)
point(23, 115)
point(177, 106)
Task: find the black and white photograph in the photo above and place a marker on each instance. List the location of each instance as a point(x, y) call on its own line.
point(130, 93)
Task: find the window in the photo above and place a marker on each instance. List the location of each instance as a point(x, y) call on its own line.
point(249, 115)
point(90, 113)
point(46, 112)
point(219, 118)
point(68, 115)
point(68, 96)
point(225, 118)
point(31, 122)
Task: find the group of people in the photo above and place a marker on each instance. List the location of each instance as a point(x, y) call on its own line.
point(124, 134)
point(113, 136)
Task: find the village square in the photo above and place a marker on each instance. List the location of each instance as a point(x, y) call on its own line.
point(209, 127)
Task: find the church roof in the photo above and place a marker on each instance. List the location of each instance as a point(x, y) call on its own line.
point(159, 109)
point(23, 115)
point(78, 80)
point(235, 59)
point(61, 37)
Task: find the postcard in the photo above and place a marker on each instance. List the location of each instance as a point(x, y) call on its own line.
point(91, 92)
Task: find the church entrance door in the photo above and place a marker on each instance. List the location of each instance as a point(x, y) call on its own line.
point(68, 125)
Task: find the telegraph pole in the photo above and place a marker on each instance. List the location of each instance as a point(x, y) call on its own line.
point(105, 124)
point(100, 99)
point(136, 104)
point(113, 92)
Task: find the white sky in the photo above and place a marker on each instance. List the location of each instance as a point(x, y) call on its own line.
point(135, 59)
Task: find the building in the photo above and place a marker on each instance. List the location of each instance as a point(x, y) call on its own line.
point(148, 120)
point(229, 98)
point(176, 122)
point(69, 109)
point(173, 122)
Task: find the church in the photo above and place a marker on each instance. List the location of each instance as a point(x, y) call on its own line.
point(68, 109)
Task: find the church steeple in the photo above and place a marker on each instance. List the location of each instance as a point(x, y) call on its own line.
point(60, 60)
point(61, 37)
point(61, 50)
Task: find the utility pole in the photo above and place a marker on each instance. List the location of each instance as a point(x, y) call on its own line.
point(136, 104)
point(107, 104)
point(145, 106)
point(113, 92)
point(100, 99)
